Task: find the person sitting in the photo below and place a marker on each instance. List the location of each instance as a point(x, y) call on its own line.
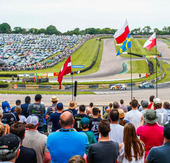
point(66, 142)
point(161, 154)
point(132, 149)
point(106, 150)
point(9, 148)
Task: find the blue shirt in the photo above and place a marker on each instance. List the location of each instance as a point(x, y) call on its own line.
point(62, 145)
point(159, 154)
point(54, 118)
point(24, 108)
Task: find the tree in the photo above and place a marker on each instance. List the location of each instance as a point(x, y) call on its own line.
point(5, 28)
point(33, 30)
point(158, 32)
point(146, 30)
point(52, 30)
point(135, 31)
point(42, 30)
point(18, 30)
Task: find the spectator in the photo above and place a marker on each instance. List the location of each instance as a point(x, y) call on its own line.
point(37, 109)
point(51, 109)
point(134, 116)
point(167, 107)
point(116, 105)
point(145, 105)
point(69, 142)
point(72, 107)
point(105, 150)
point(78, 117)
point(151, 134)
point(9, 148)
point(27, 155)
point(24, 107)
point(151, 106)
point(77, 159)
point(132, 149)
point(55, 117)
point(2, 130)
point(140, 108)
point(161, 154)
point(161, 113)
point(122, 114)
point(5, 125)
point(116, 133)
point(90, 134)
point(122, 106)
point(94, 122)
point(130, 106)
point(8, 117)
point(18, 103)
point(22, 118)
point(106, 114)
point(37, 141)
point(89, 110)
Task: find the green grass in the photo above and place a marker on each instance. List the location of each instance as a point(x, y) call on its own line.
point(167, 41)
point(40, 92)
point(166, 69)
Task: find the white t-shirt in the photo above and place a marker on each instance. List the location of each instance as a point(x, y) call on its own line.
point(134, 116)
point(116, 133)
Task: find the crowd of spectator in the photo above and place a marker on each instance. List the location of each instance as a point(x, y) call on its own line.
point(30, 52)
point(32, 133)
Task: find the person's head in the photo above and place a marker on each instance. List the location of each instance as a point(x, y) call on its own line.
point(166, 105)
point(91, 104)
point(114, 115)
point(18, 110)
point(131, 142)
point(150, 116)
point(32, 122)
point(6, 107)
point(77, 159)
point(157, 103)
point(82, 108)
point(1, 113)
point(151, 98)
point(72, 105)
point(60, 106)
point(110, 105)
point(9, 147)
point(38, 98)
point(121, 101)
point(84, 122)
point(2, 130)
point(27, 99)
point(66, 119)
point(18, 102)
point(95, 111)
point(134, 103)
point(167, 131)
point(115, 105)
point(54, 99)
point(145, 104)
point(121, 113)
point(104, 127)
point(18, 129)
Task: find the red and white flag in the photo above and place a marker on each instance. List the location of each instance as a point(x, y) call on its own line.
point(121, 34)
point(151, 42)
point(66, 69)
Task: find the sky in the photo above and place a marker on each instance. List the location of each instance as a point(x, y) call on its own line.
point(70, 14)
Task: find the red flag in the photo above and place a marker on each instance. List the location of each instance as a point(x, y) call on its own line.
point(66, 69)
point(151, 42)
point(121, 34)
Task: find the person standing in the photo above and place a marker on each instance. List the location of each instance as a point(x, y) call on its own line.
point(24, 107)
point(122, 106)
point(37, 109)
point(72, 107)
point(106, 150)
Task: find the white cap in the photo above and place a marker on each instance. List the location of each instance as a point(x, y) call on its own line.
point(32, 119)
point(157, 101)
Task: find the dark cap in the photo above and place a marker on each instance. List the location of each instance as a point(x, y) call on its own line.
point(85, 121)
point(18, 101)
point(9, 145)
point(167, 130)
point(59, 106)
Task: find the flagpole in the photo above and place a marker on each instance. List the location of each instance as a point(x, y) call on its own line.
point(72, 78)
point(156, 72)
point(131, 73)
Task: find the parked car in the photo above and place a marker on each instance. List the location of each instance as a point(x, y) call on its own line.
point(118, 87)
point(146, 85)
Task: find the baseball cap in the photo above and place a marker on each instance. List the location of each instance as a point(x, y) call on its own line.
point(150, 116)
point(145, 103)
point(32, 119)
point(157, 101)
point(167, 130)
point(85, 121)
point(5, 106)
point(59, 106)
point(9, 145)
